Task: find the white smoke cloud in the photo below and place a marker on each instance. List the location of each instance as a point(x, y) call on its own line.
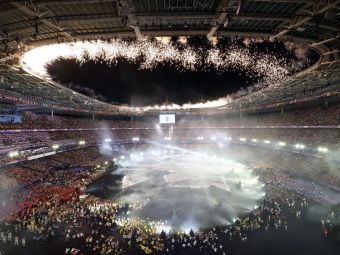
point(105, 146)
point(187, 188)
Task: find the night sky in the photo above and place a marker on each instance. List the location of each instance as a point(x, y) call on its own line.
point(124, 83)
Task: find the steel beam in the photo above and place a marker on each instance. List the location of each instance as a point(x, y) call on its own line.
point(324, 41)
point(221, 19)
point(48, 23)
point(132, 22)
point(223, 16)
point(303, 21)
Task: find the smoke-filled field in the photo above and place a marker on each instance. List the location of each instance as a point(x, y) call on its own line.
point(184, 189)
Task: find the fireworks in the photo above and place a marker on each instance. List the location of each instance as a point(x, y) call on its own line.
point(268, 69)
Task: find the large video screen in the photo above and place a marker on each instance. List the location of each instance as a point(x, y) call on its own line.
point(165, 118)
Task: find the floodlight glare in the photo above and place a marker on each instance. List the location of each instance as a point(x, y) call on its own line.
point(55, 146)
point(322, 149)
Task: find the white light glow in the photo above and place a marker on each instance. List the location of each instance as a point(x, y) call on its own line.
point(271, 70)
point(55, 146)
point(175, 181)
point(13, 154)
point(81, 142)
point(322, 149)
point(299, 146)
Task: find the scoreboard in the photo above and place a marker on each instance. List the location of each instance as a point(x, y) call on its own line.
point(167, 118)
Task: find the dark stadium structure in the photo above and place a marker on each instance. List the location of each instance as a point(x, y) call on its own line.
point(27, 24)
point(234, 148)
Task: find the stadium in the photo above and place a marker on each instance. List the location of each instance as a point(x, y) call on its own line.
point(169, 127)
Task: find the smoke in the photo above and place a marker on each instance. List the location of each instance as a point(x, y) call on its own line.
point(332, 160)
point(105, 147)
point(187, 188)
point(87, 91)
point(301, 50)
point(7, 204)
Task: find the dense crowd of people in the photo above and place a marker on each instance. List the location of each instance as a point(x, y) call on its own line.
point(269, 126)
point(48, 205)
point(302, 117)
point(44, 201)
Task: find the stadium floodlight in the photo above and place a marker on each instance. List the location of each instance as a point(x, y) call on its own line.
point(254, 140)
point(122, 157)
point(81, 142)
point(200, 138)
point(322, 149)
point(135, 139)
point(299, 146)
point(55, 146)
point(282, 144)
point(107, 140)
point(106, 162)
point(242, 139)
point(213, 138)
point(13, 154)
point(266, 141)
point(167, 138)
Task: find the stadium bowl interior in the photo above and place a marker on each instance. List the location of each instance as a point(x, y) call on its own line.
point(169, 127)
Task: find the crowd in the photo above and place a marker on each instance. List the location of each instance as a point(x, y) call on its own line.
point(311, 116)
point(43, 201)
point(50, 206)
point(234, 126)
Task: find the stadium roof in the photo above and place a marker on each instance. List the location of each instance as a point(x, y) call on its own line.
point(25, 24)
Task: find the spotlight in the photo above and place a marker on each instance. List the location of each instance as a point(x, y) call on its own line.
point(322, 149)
point(282, 144)
point(242, 139)
point(81, 142)
point(266, 141)
point(13, 154)
point(299, 146)
point(254, 140)
point(55, 146)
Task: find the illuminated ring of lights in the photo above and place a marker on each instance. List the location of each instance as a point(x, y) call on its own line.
point(272, 69)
